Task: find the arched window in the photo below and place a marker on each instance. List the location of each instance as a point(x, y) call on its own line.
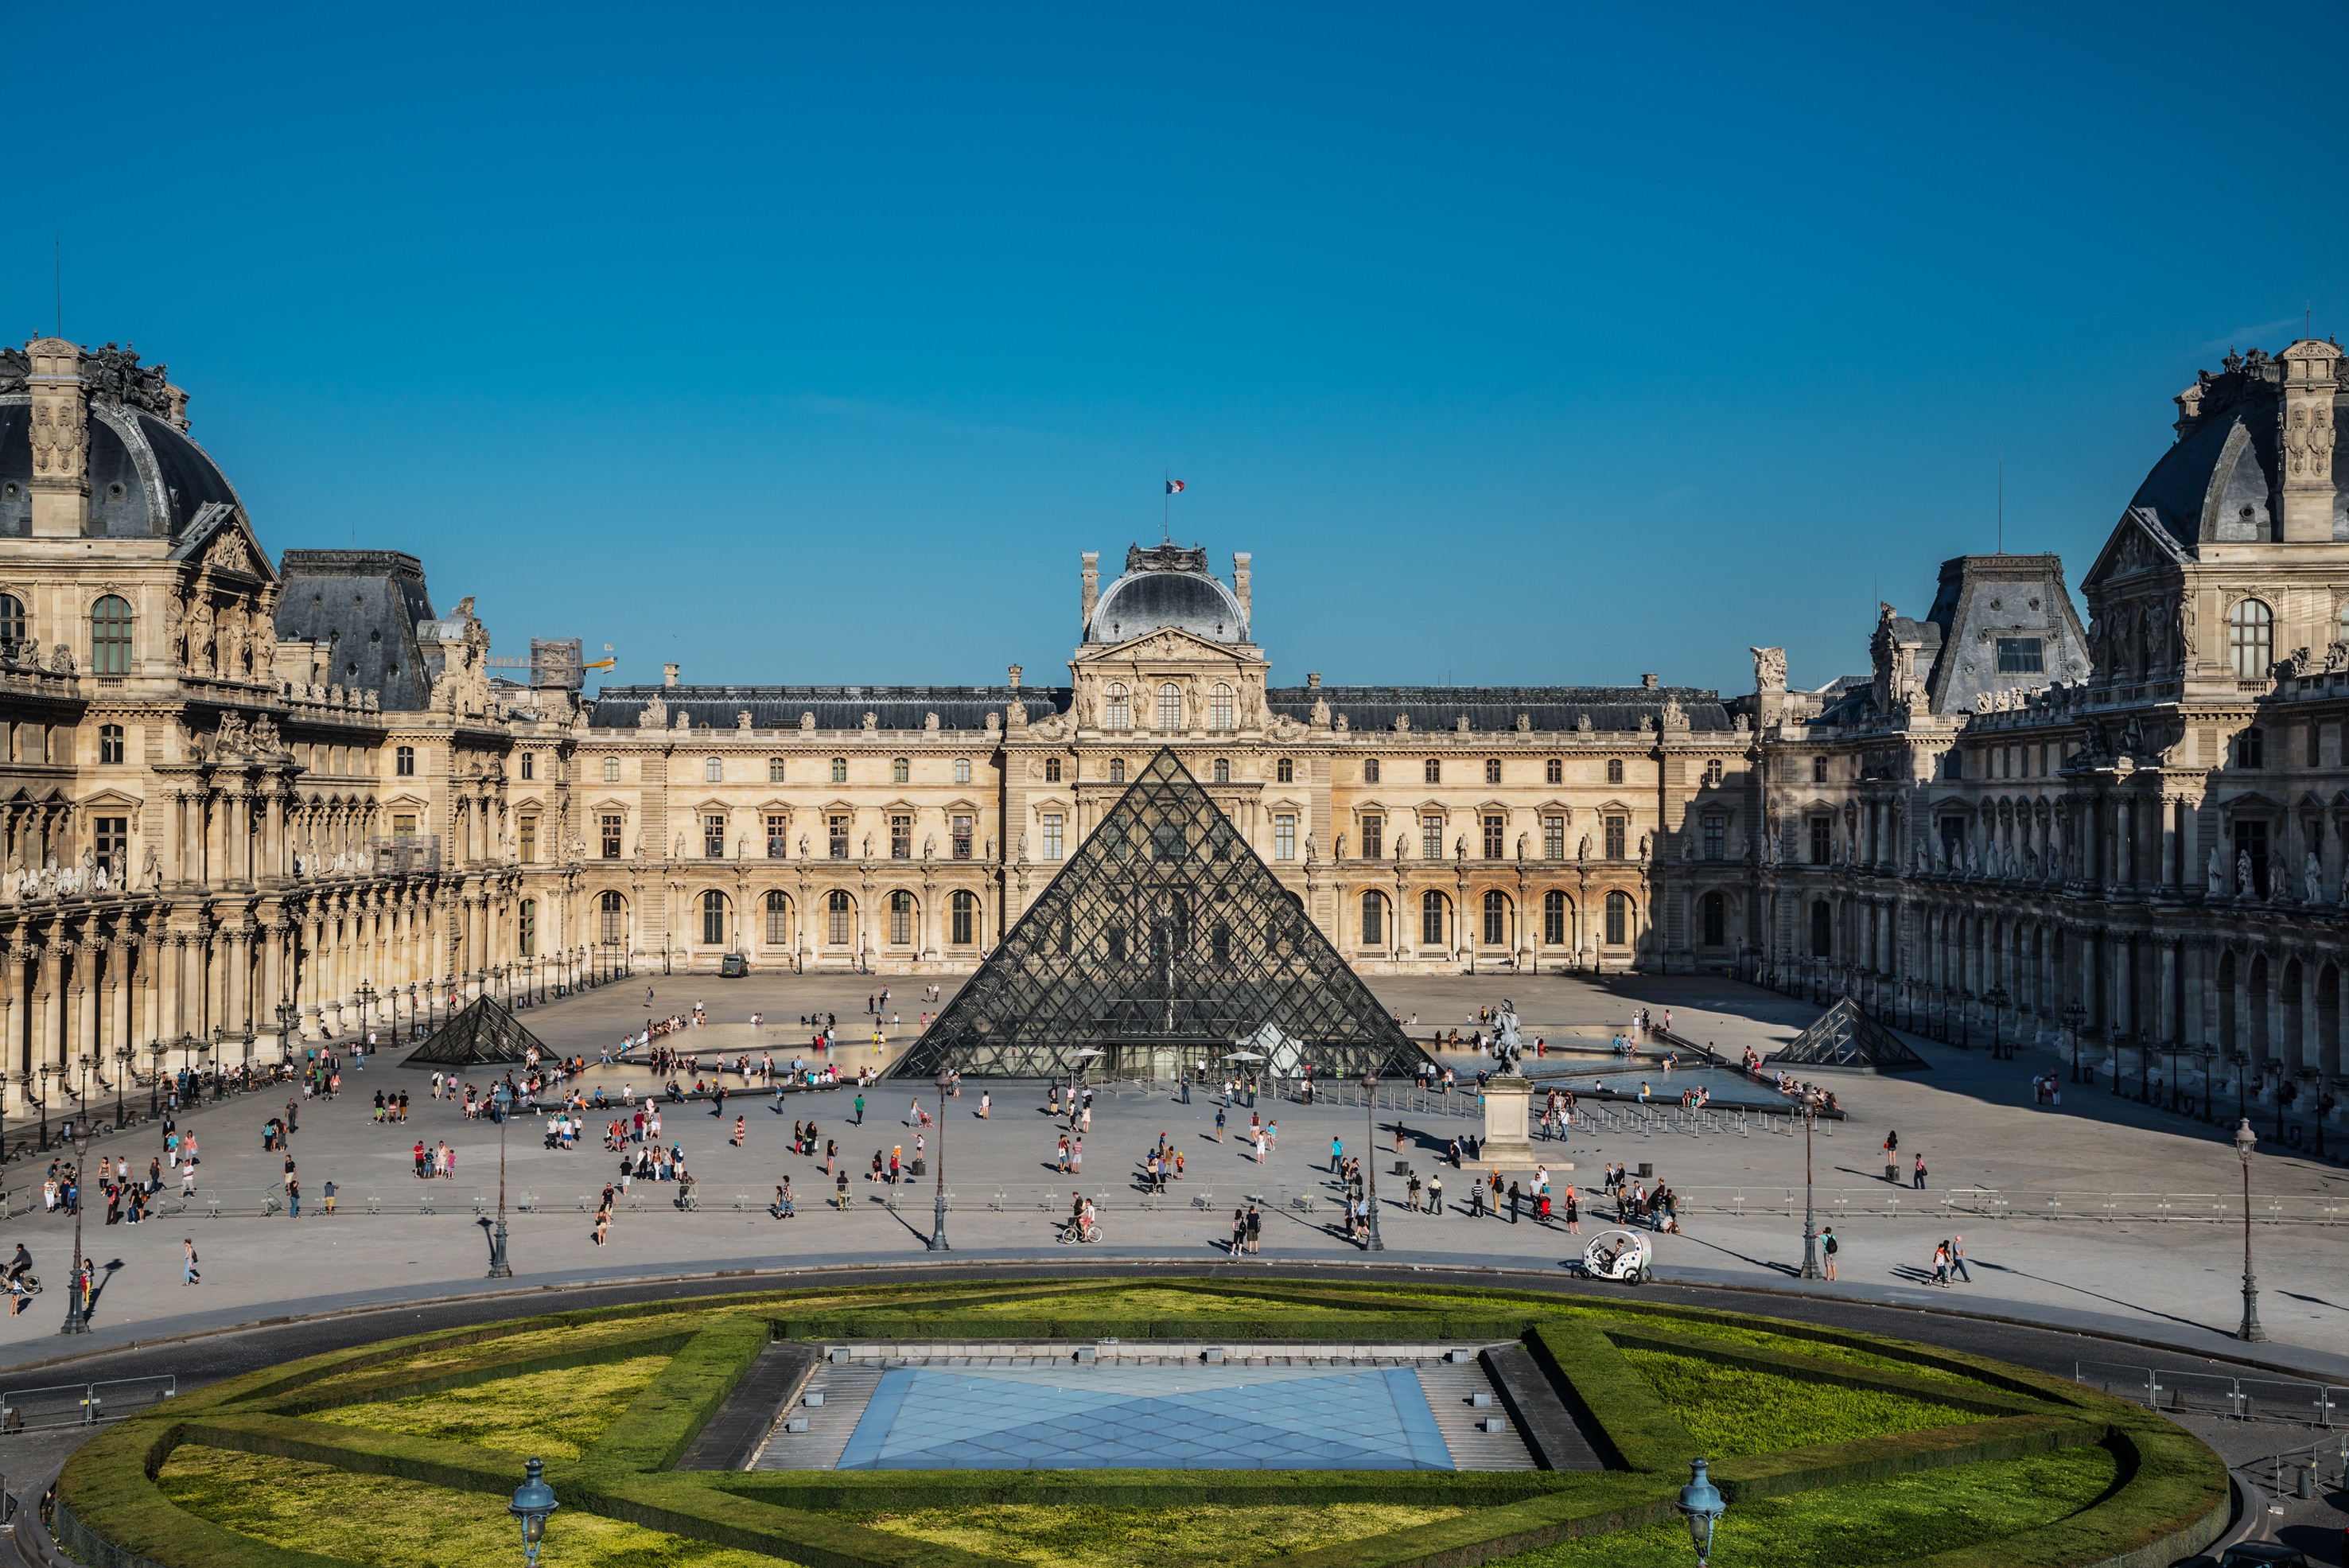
point(1554, 919)
point(1051, 770)
point(2340, 625)
point(611, 769)
point(1618, 919)
point(1116, 714)
point(779, 919)
point(1220, 708)
point(526, 928)
point(1433, 770)
point(774, 770)
point(110, 636)
point(962, 771)
point(1374, 921)
point(713, 918)
point(1222, 770)
point(1716, 919)
point(616, 917)
point(840, 770)
point(1822, 930)
point(11, 620)
point(1712, 773)
point(900, 770)
point(1492, 770)
point(1117, 770)
point(1496, 918)
point(1170, 708)
point(1284, 771)
point(1614, 770)
point(1553, 771)
point(1369, 770)
point(966, 920)
point(713, 772)
point(2250, 639)
point(901, 920)
point(837, 911)
point(1430, 919)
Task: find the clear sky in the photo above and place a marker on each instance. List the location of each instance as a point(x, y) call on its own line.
point(1536, 344)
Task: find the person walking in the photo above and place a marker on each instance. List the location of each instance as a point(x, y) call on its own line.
point(1941, 1265)
point(188, 1274)
point(1436, 1193)
point(860, 1110)
point(1219, 1123)
point(985, 1099)
point(1337, 1155)
point(1512, 1202)
point(1958, 1259)
point(741, 1131)
point(1240, 1231)
point(1919, 1183)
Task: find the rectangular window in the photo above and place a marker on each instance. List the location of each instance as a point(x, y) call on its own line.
point(1284, 838)
point(111, 843)
point(1051, 835)
point(966, 918)
point(1615, 827)
point(611, 770)
point(777, 836)
point(1371, 770)
point(713, 837)
point(2251, 839)
point(837, 833)
point(1434, 770)
point(774, 770)
point(1953, 841)
point(404, 760)
point(1430, 838)
point(529, 841)
point(779, 920)
point(529, 767)
point(403, 827)
point(1374, 838)
point(1553, 920)
point(526, 928)
point(109, 743)
point(962, 770)
point(611, 821)
point(962, 838)
point(2019, 656)
point(1374, 910)
point(1716, 830)
point(901, 920)
point(1553, 838)
point(1822, 840)
point(901, 838)
point(1493, 836)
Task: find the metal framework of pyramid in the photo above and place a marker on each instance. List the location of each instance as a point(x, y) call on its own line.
point(1844, 1037)
point(484, 1033)
point(1164, 941)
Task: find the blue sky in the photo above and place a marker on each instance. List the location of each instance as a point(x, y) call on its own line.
point(1518, 344)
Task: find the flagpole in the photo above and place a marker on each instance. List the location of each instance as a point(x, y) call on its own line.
point(1165, 506)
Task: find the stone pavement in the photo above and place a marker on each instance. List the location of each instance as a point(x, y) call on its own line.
point(2174, 1282)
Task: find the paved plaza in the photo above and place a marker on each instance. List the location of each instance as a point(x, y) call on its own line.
point(2175, 1282)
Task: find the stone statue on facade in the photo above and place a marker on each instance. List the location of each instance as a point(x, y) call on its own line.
point(1769, 669)
point(929, 845)
point(2215, 877)
point(2312, 874)
point(151, 870)
point(1582, 852)
point(2243, 874)
point(803, 855)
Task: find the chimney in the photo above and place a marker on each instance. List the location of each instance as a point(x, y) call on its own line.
point(1649, 682)
point(2307, 420)
point(1093, 590)
point(60, 440)
point(1240, 559)
point(668, 674)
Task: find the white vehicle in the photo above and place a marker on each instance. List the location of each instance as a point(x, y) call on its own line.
point(1618, 1256)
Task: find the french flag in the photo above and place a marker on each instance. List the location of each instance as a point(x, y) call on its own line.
point(1173, 487)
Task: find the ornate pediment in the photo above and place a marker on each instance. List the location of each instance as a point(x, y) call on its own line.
point(1166, 645)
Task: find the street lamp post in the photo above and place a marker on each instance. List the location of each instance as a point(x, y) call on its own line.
point(1998, 998)
point(2144, 1069)
point(2074, 1016)
point(1965, 1024)
point(1702, 1505)
point(499, 1268)
point(938, 1218)
point(1811, 1269)
point(154, 1083)
point(2239, 1061)
point(1370, 1155)
point(2245, 1140)
point(533, 1502)
point(76, 1299)
point(121, 1071)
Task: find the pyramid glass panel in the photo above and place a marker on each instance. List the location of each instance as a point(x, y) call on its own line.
point(483, 1032)
point(1844, 1037)
point(1164, 938)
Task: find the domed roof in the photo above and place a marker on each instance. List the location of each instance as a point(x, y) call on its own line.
point(1167, 585)
point(147, 479)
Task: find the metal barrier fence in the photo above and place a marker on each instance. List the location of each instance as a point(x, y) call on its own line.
point(2179, 1391)
point(81, 1404)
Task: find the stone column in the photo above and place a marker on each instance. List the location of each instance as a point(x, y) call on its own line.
point(2165, 1027)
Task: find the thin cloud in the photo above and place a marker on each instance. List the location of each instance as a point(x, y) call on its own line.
point(2246, 336)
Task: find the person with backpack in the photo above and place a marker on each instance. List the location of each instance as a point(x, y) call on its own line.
point(1828, 1246)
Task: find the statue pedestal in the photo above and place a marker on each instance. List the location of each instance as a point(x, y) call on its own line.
point(1508, 1124)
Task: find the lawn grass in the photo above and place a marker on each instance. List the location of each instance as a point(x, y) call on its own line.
point(1730, 1410)
point(1141, 1300)
point(551, 1414)
point(1199, 1536)
point(379, 1521)
point(1817, 1349)
point(443, 1358)
point(1879, 1524)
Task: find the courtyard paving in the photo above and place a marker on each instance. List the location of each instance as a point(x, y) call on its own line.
point(2174, 1282)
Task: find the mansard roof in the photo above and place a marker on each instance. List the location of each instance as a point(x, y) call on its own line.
point(1488, 709)
point(834, 707)
point(363, 608)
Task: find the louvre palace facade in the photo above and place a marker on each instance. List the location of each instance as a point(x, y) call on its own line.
point(247, 800)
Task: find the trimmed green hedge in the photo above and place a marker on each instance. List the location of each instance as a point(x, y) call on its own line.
point(1836, 1374)
point(394, 1384)
point(1640, 1431)
point(996, 1328)
point(906, 1490)
point(661, 1422)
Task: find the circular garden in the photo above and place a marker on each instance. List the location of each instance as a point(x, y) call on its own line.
point(1831, 1447)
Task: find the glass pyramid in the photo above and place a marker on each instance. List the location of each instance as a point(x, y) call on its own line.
point(1844, 1037)
point(1164, 941)
point(483, 1032)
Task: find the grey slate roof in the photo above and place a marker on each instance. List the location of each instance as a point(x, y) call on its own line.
point(1495, 708)
point(834, 707)
point(164, 479)
point(365, 606)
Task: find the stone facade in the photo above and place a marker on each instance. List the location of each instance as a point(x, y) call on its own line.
point(2142, 842)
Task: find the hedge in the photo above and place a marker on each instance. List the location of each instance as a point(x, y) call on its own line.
point(1840, 1374)
point(1640, 1430)
point(906, 1490)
